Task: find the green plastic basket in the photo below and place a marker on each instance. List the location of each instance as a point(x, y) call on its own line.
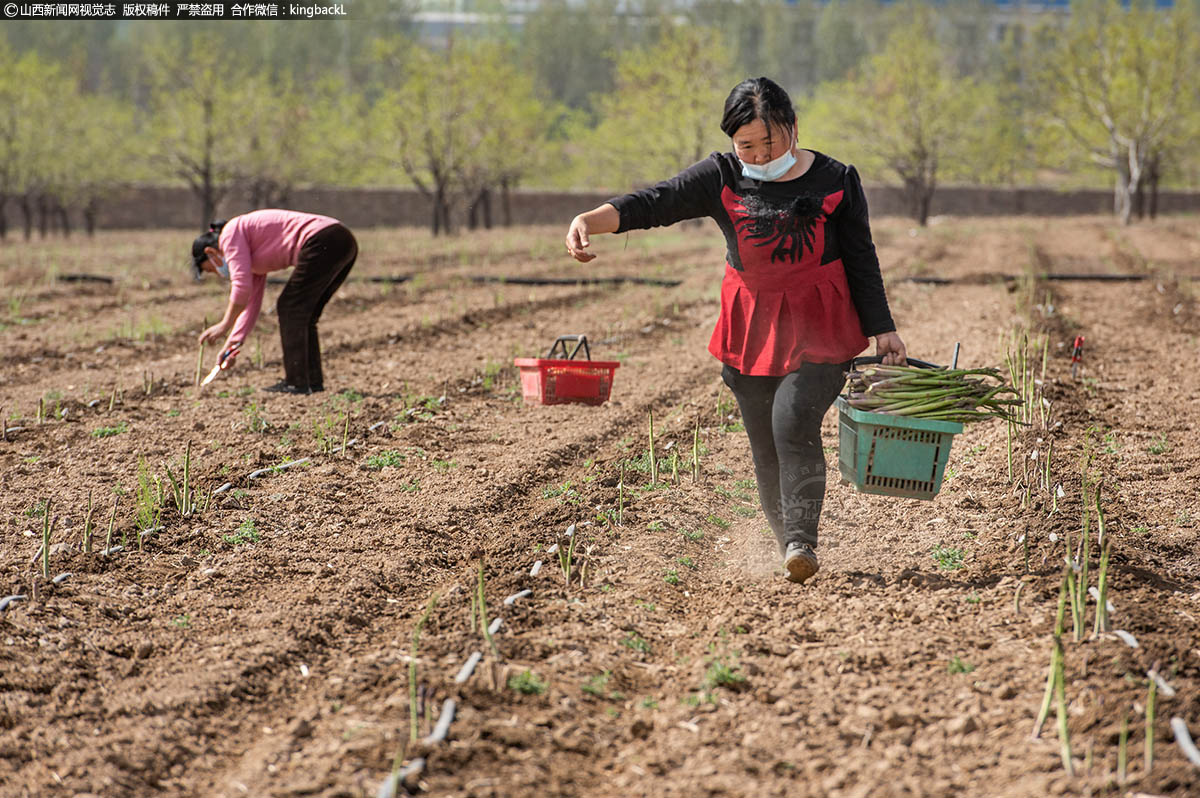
point(893, 455)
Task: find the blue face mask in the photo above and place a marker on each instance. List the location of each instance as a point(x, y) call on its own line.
point(772, 170)
point(223, 269)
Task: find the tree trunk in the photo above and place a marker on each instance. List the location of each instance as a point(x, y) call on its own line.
point(1152, 175)
point(918, 192)
point(1123, 195)
point(89, 216)
point(473, 212)
point(486, 196)
point(27, 210)
point(43, 205)
point(64, 218)
point(506, 202)
point(3, 218)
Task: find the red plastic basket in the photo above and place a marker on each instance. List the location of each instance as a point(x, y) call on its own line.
point(556, 381)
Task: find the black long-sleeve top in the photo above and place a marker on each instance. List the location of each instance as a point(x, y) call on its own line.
point(820, 216)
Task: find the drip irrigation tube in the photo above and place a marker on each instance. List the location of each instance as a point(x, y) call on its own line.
point(1184, 738)
point(274, 469)
point(10, 600)
point(576, 281)
point(443, 725)
point(508, 602)
point(468, 667)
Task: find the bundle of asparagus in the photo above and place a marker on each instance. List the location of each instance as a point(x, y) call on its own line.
point(961, 395)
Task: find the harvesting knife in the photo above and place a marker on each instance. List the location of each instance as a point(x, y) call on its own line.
point(224, 362)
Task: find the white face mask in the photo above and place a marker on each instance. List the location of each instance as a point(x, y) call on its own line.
point(772, 170)
point(223, 269)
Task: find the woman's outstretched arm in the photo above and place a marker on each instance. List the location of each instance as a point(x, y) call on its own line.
point(603, 219)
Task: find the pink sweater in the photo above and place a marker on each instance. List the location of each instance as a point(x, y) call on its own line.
point(257, 243)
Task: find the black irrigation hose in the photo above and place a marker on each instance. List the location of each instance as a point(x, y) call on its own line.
point(577, 281)
point(85, 278)
point(389, 279)
point(1008, 278)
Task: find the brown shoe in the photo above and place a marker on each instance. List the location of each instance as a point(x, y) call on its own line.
point(799, 562)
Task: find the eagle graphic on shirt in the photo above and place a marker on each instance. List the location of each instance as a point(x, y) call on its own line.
point(790, 227)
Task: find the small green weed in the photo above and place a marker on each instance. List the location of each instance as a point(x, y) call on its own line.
point(973, 597)
point(948, 559)
point(636, 642)
point(957, 665)
point(254, 418)
point(671, 577)
point(443, 465)
point(247, 532)
point(1160, 445)
point(693, 536)
point(108, 432)
point(388, 457)
point(597, 686)
point(718, 522)
point(687, 562)
point(723, 674)
point(526, 683)
point(649, 703)
point(655, 526)
point(182, 621)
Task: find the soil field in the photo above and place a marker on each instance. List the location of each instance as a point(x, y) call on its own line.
point(301, 634)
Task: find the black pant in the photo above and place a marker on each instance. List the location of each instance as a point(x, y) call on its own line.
point(322, 265)
point(783, 421)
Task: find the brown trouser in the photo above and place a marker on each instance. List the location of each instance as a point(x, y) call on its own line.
point(322, 265)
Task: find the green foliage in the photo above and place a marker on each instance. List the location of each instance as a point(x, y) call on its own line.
point(907, 113)
point(1114, 88)
point(254, 418)
point(108, 432)
point(723, 674)
point(671, 577)
point(465, 119)
point(526, 683)
point(597, 686)
point(663, 113)
point(636, 642)
point(957, 665)
point(948, 559)
point(246, 532)
point(388, 457)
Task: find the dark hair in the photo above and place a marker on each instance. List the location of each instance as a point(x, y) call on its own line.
point(209, 238)
point(757, 98)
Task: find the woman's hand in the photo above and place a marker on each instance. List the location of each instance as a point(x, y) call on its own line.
point(602, 219)
point(891, 349)
point(577, 240)
point(213, 333)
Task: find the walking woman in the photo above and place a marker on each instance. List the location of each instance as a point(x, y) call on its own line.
point(244, 250)
point(802, 293)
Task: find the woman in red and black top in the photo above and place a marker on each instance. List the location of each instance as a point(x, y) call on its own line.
point(802, 293)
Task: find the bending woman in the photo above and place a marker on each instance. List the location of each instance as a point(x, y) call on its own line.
point(802, 293)
point(244, 250)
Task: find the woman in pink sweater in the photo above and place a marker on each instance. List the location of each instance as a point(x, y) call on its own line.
point(244, 250)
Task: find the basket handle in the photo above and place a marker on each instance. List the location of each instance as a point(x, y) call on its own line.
point(561, 343)
point(869, 359)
